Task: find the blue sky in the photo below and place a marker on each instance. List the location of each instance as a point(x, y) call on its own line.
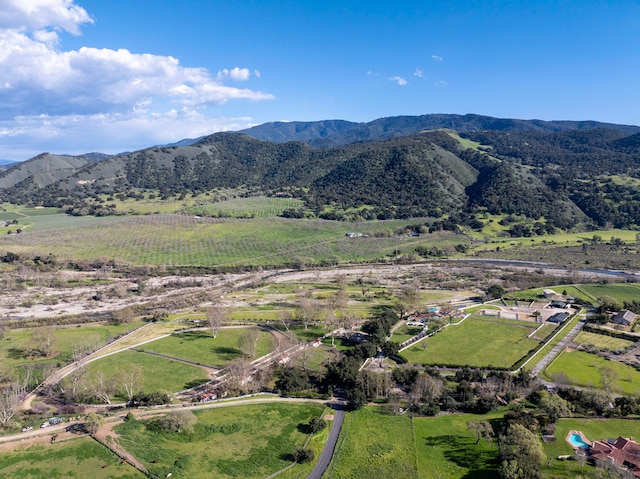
point(95, 75)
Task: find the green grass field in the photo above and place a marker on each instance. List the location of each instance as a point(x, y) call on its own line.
point(157, 373)
point(601, 341)
point(446, 448)
point(199, 346)
point(621, 292)
point(478, 342)
point(583, 369)
point(82, 457)
point(373, 445)
point(15, 344)
point(249, 441)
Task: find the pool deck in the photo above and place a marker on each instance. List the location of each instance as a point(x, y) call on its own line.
point(582, 436)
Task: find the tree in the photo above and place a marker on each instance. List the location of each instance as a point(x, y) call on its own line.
point(553, 406)
point(131, 380)
point(482, 429)
point(93, 422)
point(608, 376)
point(123, 316)
point(248, 341)
point(291, 379)
point(407, 299)
point(178, 421)
point(42, 341)
point(9, 402)
point(308, 309)
point(102, 387)
point(495, 291)
point(302, 455)
point(216, 316)
point(317, 424)
point(521, 454)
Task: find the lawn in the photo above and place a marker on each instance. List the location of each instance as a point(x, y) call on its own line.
point(478, 343)
point(249, 441)
point(201, 347)
point(593, 429)
point(584, 370)
point(374, 445)
point(79, 458)
point(446, 448)
point(159, 374)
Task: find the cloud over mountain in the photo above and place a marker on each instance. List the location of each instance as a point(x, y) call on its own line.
point(45, 86)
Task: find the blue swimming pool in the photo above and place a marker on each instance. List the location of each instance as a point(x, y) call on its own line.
point(576, 441)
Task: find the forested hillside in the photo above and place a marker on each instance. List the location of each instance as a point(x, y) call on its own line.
point(544, 171)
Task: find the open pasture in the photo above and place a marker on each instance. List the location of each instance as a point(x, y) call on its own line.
point(249, 441)
point(82, 457)
point(447, 449)
point(200, 346)
point(584, 370)
point(187, 240)
point(16, 344)
point(478, 341)
point(158, 374)
point(619, 291)
point(602, 341)
point(374, 445)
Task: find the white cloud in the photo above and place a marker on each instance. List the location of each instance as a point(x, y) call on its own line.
point(25, 136)
point(418, 73)
point(50, 89)
point(441, 83)
point(399, 80)
point(34, 15)
point(437, 58)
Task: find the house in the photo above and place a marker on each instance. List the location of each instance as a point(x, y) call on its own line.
point(625, 318)
point(558, 318)
point(622, 452)
point(549, 293)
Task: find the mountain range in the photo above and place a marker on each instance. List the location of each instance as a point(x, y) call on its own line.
point(560, 173)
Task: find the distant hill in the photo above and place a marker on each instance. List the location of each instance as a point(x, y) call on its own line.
point(330, 133)
point(560, 173)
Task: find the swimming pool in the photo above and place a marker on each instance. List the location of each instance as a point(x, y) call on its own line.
point(576, 441)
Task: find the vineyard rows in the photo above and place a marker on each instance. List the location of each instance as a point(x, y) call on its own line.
point(182, 240)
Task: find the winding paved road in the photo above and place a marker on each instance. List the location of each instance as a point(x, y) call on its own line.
point(329, 447)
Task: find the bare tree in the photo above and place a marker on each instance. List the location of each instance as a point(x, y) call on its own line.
point(238, 375)
point(42, 341)
point(9, 402)
point(308, 309)
point(131, 380)
point(248, 341)
point(124, 315)
point(216, 316)
point(102, 387)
